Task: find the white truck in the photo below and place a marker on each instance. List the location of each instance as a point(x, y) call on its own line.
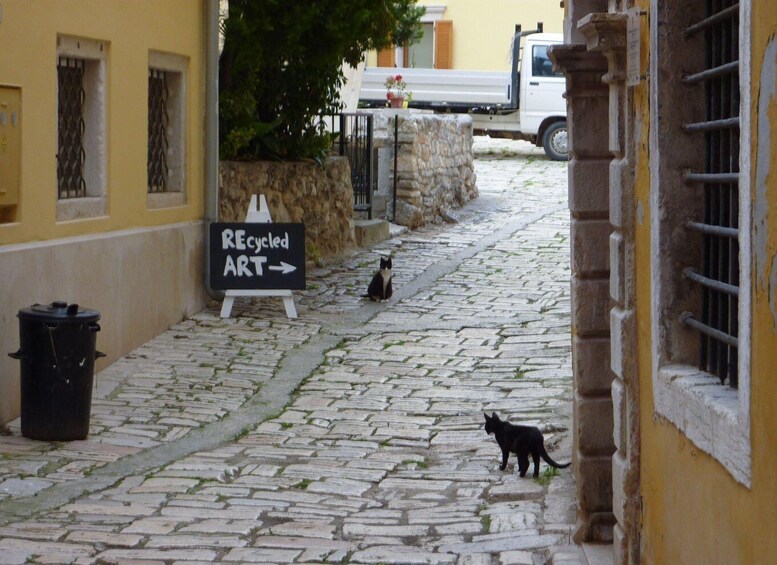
point(525, 103)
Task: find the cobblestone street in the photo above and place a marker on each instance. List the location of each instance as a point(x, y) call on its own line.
point(352, 434)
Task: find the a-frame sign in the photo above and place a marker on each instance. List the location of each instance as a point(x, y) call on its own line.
point(257, 258)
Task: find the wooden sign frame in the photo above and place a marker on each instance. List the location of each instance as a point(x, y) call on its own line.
point(260, 215)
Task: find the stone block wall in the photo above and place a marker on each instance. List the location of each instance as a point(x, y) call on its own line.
point(589, 206)
point(320, 196)
point(435, 171)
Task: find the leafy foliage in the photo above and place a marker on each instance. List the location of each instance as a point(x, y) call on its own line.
point(281, 68)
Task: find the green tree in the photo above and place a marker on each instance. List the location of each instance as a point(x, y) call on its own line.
point(281, 68)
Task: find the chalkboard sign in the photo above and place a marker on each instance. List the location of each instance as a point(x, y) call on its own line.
point(257, 256)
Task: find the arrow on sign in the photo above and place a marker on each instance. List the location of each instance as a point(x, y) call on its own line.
point(284, 267)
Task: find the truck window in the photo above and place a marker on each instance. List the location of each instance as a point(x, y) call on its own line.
point(541, 65)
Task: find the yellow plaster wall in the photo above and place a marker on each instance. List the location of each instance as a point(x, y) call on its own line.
point(142, 269)
point(482, 29)
point(692, 509)
point(28, 55)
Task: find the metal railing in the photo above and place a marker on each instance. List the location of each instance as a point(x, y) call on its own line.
point(355, 142)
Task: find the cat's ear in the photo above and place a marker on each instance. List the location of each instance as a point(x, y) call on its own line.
point(486, 416)
point(494, 416)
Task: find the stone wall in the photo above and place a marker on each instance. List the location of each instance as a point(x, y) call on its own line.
point(435, 170)
point(589, 207)
point(320, 196)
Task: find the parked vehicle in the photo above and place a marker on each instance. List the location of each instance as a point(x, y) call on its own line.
point(525, 103)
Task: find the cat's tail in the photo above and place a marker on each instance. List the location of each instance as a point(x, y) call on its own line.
point(550, 461)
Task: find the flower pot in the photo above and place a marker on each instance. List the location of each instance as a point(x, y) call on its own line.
point(397, 102)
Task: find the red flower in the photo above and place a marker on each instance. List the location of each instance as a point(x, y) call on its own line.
point(398, 78)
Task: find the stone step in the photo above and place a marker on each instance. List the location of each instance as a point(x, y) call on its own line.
point(370, 232)
point(585, 554)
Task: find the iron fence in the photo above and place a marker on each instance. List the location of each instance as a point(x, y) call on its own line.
point(355, 142)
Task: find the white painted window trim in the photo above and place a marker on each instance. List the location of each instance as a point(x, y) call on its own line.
point(176, 66)
point(715, 417)
point(95, 54)
point(432, 14)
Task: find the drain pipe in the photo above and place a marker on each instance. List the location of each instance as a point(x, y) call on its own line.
point(211, 181)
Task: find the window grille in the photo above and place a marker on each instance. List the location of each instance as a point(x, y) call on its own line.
point(70, 115)
point(158, 122)
point(718, 181)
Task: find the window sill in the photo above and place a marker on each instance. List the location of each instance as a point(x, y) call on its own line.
point(158, 200)
point(89, 207)
point(711, 415)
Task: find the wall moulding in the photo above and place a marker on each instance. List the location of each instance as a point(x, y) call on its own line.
point(606, 33)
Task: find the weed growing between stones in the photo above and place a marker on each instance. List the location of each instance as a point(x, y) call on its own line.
point(547, 475)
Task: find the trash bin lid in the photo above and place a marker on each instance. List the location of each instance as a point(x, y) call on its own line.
point(58, 312)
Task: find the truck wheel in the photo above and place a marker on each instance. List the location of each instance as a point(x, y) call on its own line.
point(555, 141)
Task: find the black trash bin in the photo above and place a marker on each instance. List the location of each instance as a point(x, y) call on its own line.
point(57, 352)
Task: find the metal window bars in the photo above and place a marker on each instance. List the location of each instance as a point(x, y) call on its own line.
point(718, 278)
point(158, 122)
point(71, 128)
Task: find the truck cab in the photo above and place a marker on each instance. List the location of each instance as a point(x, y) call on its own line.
point(542, 106)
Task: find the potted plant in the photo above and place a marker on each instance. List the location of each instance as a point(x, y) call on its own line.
point(396, 91)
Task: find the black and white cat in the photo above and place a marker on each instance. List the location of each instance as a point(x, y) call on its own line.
point(521, 440)
point(380, 285)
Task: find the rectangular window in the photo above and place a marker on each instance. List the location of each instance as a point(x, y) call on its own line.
point(700, 226)
point(541, 65)
point(166, 163)
point(421, 55)
point(81, 128)
point(158, 122)
point(70, 149)
point(717, 177)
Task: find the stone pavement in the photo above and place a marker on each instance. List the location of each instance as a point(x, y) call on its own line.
point(352, 434)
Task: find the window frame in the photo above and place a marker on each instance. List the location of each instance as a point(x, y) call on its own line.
point(535, 57)
point(94, 53)
point(714, 416)
point(176, 69)
point(387, 58)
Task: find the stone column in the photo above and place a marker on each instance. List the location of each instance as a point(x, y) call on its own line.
point(606, 34)
point(589, 200)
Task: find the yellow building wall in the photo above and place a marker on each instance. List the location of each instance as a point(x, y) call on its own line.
point(141, 268)
point(693, 511)
point(28, 44)
point(483, 29)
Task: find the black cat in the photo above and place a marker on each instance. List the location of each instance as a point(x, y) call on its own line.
point(521, 440)
point(380, 285)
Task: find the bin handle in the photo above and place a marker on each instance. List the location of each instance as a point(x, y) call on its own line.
point(16, 355)
point(94, 327)
point(98, 354)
